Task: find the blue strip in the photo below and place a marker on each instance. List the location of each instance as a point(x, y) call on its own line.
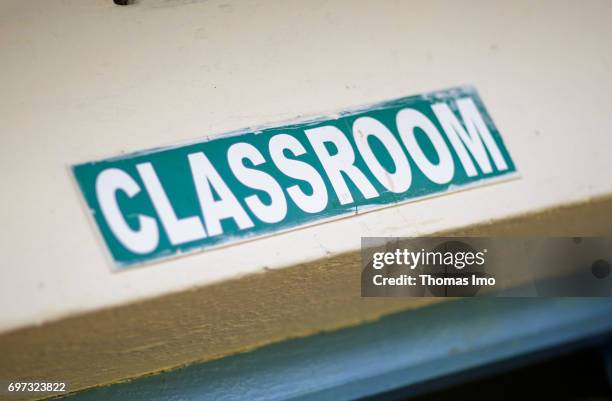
point(396, 351)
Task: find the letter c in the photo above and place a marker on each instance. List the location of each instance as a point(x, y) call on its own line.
point(141, 241)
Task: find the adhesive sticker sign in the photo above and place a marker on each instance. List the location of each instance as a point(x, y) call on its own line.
point(254, 182)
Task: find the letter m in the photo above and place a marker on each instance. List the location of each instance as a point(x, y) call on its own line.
point(472, 136)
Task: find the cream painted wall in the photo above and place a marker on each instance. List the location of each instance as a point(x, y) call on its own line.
point(84, 80)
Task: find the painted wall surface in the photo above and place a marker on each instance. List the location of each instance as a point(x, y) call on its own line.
point(85, 81)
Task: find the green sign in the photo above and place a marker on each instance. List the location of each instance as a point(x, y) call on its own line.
point(255, 182)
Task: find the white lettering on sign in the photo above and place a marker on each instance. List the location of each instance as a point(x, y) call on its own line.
point(206, 178)
point(204, 193)
point(299, 170)
point(141, 240)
